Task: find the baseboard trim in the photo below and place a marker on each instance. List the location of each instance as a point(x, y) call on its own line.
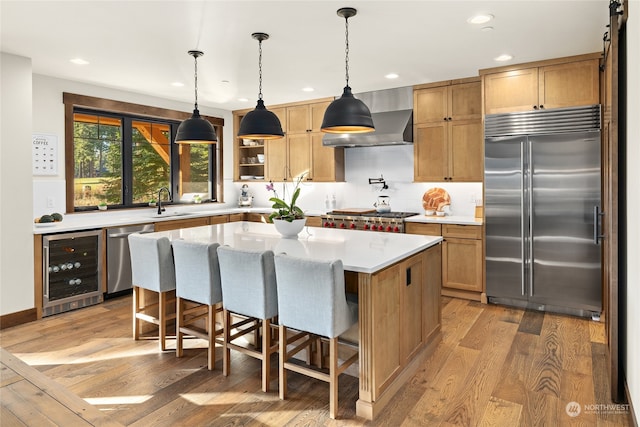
point(18, 318)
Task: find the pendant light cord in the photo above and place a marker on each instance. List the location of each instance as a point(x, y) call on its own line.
point(195, 60)
point(260, 69)
point(346, 49)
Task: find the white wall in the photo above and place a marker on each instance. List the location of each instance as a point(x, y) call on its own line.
point(16, 224)
point(632, 356)
point(48, 117)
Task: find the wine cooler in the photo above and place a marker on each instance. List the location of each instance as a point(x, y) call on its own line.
point(72, 271)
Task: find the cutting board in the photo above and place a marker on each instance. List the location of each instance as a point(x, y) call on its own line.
point(353, 211)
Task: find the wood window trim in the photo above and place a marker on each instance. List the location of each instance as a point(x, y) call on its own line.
point(71, 101)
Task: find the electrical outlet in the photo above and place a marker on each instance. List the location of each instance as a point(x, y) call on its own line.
point(50, 202)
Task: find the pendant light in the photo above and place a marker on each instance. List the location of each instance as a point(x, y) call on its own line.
point(196, 130)
point(347, 114)
point(260, 123)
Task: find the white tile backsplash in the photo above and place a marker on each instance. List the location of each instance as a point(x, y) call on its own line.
point(394, 163)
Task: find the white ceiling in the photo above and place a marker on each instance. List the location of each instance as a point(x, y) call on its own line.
point(141, 46)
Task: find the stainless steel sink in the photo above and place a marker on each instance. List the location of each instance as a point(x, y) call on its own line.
point(170, 214)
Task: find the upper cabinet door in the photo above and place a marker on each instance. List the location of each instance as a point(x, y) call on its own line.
point(430, 156)
point(430, 105)
point(466, 154)
point(571, 84)
point(511, 91)
point(299, 147)
point(298, 120)
point(465, 101)
point(317, 115)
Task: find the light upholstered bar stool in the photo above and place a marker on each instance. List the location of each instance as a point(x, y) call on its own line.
point(312, 299)
point(249, 291)
point(152, 269)
point(198, 294)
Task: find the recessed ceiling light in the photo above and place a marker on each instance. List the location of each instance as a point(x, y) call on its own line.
point(225, 81)
point(503, 57)
point(79, 61)
point(391, 76)
point(243, 100)
point(480, 19)
point(308, 89)
point(486, 29)
point(177, 84)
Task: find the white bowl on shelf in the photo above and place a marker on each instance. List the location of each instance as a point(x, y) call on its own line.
point(260, 158)
point(247, 177)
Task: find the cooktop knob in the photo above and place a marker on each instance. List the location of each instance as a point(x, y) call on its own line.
point(353, 225)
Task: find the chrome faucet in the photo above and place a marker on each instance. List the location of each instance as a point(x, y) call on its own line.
point(160, 208)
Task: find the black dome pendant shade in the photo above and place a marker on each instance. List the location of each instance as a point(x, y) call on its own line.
point(196, 130)
point(260, 123)
point(347, 114)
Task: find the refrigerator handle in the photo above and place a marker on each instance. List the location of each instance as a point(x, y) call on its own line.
point(522, 220)
point(596, 225)
point(530, 214)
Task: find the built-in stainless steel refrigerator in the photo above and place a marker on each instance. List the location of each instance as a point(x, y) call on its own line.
point(542, 210)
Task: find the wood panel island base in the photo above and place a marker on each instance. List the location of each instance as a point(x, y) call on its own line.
point(398, 280)
point(399, 314)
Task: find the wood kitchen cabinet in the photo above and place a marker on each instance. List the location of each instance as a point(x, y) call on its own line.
point(448, 135)
point(447, 101)
point(246, 164)
point(181, 223)
point(558, 83)
point(405, 305)
point(301, 150)
point(462, 258)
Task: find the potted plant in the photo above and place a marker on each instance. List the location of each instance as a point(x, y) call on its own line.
point(288, 218)
point(152, 202)
point(102, 206)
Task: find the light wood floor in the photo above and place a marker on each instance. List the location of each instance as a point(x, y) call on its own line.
point(495, 366)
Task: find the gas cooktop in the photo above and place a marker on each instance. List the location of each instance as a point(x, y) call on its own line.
point(398, 215)
point(368, 221)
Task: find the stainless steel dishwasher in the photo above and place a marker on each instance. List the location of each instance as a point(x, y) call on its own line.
point(118, 259)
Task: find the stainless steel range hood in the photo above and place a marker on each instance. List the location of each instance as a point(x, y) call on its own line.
point(392, 113)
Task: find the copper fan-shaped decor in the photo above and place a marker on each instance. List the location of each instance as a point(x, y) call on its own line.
point(435, 199)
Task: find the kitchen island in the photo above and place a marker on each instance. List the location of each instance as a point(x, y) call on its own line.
point(397, 278)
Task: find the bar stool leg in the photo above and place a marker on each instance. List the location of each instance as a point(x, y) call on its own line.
point(226, 356)
point(282, 356)
point(162, 319)
point(179, 320)
point(333, 377)
point(136, 306)
point(266, 354)
point(212, 338)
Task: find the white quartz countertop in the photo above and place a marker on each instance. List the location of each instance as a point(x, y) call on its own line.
point(121, 217)
point(360, 251)
point(447, 219)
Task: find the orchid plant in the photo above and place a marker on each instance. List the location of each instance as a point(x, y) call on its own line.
point(283, 210)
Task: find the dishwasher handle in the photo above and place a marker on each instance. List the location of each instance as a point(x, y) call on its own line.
point(123, 235)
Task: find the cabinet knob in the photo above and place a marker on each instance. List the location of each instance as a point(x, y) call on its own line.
point(535, 107)
point(449, 118)
point(541, 107)
point(445, 119)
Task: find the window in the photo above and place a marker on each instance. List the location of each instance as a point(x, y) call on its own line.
point(123, 159)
